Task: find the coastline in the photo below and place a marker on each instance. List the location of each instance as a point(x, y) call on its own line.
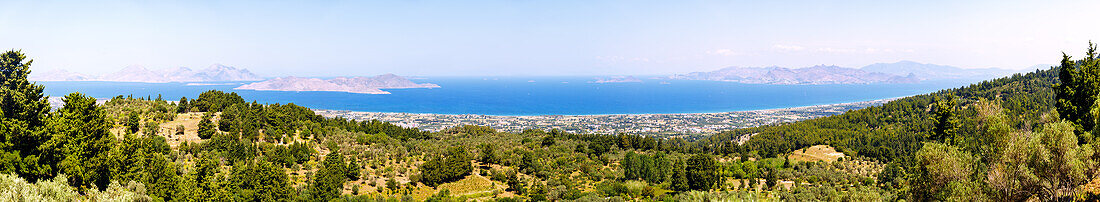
point(664, 125)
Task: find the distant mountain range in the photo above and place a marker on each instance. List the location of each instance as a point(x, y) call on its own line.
point(364, 85)
point(879, 73)
point(215, 72)
point(936, 72)
point(809, 75)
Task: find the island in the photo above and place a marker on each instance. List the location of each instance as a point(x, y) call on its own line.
point(361, 85)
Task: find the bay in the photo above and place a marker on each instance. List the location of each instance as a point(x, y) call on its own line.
point(537, 95)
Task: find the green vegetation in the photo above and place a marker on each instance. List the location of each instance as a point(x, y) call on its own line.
point(1024, 137)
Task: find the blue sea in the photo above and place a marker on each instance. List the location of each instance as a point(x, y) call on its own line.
point(537, 95)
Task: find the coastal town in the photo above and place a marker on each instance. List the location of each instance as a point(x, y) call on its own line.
point(660, 125)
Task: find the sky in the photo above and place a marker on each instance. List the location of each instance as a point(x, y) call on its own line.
point(540, 38)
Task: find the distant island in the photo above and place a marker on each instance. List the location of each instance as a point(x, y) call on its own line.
point(879, 73)
point(617, 79)
point(136, 73)
point(363, 85)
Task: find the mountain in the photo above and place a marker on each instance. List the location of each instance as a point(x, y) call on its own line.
point(219, 72)
point(134, 73)
point(820, 74)
point(364, 85)
point(937, 72)
point(58, 75)
point(137, 73)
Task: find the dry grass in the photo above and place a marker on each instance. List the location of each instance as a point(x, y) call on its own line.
point(473, 186)
point(190, 122)
point(816, 153)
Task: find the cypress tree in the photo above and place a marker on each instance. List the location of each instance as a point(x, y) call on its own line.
point(1076, 95)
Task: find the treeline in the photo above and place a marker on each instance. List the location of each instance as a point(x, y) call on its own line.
point(897, 128)
point(244, 158)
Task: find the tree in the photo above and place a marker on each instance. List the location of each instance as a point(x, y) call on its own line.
point(631, 166)
point(23, 110)
point(1059, 162)
point(261, 181)
point(944, 120)
point(183, 106)
point(488, 154)
point(772, 177)
point(133, 123)
point(450, 167)
point(702, 172)
point(144, 160)
point(391, 184)
point(329, 180)
point(206, 128)
point(81, 142)
point(151, 127)
point(939, 167)
point(353, 170)
point(1077, 93)
point(679, 180)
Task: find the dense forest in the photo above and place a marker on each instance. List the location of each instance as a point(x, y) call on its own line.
point(1023, 137)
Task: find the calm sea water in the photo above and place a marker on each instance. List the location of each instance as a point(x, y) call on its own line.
point(537, 95)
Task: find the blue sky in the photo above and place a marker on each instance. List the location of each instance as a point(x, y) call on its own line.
point(528, 37)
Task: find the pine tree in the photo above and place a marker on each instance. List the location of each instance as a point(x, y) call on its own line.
point(133, 123)
point(945, 120)
point(23, 110)
point(679, 181)
point(206, 128)
point(702, 172)
point(183, 106)
point(81, 142)
point(329, 181)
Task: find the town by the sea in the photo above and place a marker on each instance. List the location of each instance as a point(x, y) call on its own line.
point(574, 104)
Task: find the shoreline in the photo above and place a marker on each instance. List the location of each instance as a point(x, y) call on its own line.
point(878, 101)
point(663, 125)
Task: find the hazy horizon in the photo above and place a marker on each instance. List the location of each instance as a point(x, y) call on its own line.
point(511, 38)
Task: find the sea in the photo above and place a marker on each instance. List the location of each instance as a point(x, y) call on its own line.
point(516, 96)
